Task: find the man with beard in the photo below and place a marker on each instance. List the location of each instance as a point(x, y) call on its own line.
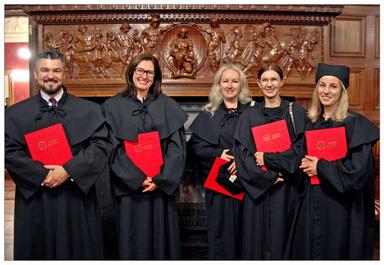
point(56, 212)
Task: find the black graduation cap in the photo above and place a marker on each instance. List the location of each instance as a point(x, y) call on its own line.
point(339, 71)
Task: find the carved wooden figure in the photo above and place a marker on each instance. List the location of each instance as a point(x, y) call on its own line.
point(216, 40)
point(151, 36)
point(125, 41)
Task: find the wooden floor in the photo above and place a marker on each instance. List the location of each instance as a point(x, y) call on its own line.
point(9, 204)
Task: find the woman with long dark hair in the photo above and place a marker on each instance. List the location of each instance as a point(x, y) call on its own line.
point(145, 190)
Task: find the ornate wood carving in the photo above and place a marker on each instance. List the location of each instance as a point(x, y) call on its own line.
point(184, 48)
point(191, 41)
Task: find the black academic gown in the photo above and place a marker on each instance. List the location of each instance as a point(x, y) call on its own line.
point(63, 222)
point(268, 208)
point(147, 222)
point(336, 218)
point(210, 136)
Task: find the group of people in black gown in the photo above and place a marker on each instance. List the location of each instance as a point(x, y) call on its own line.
point(281, 215)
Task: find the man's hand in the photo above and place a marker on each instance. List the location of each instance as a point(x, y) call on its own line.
point(56, 176)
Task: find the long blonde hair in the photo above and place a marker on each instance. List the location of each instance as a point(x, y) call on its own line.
point(316, 109)
point(215, 98)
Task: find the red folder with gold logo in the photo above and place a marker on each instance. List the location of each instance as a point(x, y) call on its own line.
point(49, 145)
point(212, 184)
point(272, 137)
point(329, 144)
point(146, 153)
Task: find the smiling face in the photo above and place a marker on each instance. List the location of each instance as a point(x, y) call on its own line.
point(270, 84)
point(142, 81)
point(49, 75)
point(230, 85)
point(329, 91)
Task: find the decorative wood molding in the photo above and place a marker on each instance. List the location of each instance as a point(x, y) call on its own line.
point(99, 41)
point(139, 13)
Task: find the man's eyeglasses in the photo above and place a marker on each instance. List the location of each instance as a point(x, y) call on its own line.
point(141, 71)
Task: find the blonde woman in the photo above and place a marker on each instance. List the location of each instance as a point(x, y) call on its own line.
point(336, 220)
point(212, 136)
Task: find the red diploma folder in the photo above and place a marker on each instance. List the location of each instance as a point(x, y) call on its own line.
point(272, 137)
point(329, 144)
point(49, 145)
point(211, 183)
point(145, 153)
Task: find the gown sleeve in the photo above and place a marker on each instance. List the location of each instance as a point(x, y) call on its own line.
point(202, 149)
point(349, 174)
point(120, 164)
point(254, 180)
point(285, 162)
point(89, 163)
point(288, 162)
point(174, 155)
point(25, 172)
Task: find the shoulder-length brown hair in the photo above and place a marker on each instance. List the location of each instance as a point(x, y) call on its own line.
point(155, 88)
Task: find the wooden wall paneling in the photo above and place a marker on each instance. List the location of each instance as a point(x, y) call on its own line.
point(357, 84)
point(376, 152)
point(376, 89)
point(377, 37)
point(348, 37)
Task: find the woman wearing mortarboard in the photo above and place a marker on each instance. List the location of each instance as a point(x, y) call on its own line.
point(336, 219)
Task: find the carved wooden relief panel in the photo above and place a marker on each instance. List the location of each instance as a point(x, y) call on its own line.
point(185, 50)
point(190, 41)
